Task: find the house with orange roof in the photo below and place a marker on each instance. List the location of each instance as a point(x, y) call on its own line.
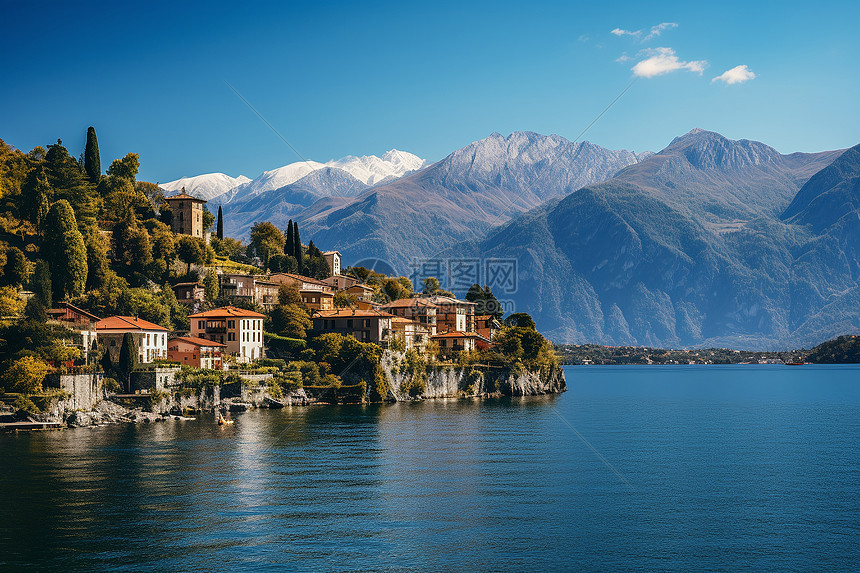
point(340, 282)
point(418, 309)
point(453, 314)
point(414, 334)
point(240, 330)
point(197, 352)
point(150, 339)
point(452, 342)
point(316, 294)
point(301, 282)
point(364, 325)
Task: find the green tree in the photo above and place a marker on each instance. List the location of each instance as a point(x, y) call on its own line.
point(35, 310)
point(97, 263)
point(344, 299)
point(219, 229)
point(289, 294)
point(40, 283)
point(69, 181)
point(25, 375)
point(190, 251)
point(125, 168)
point(36, 196)
point(92, 162)
point(315, 264)
point(485, 301)
point(297, 247)
point(163, 241)
point(290, 320)
point(17, 267)
point(520, 319)
point(290, 244)
point(11, 304)
point(107, 364)
point(431, 285)
point(230, 248)
point(266, 240)
point(132, 246)
point(128, 359)
point(65, 251)
point(211, 285)
point(208, 218)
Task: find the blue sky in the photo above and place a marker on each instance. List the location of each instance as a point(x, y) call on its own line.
point(361, 78)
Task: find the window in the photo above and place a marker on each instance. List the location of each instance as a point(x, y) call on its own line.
point(231, 324)
point(201, 324)
point(349, 323)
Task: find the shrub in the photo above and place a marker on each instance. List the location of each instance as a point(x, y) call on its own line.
point(23, 403)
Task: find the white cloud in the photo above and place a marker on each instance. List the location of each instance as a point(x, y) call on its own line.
point(663, 61)
point(736, 75)
point(620, 32)
point(659, 29)
point(583, 38)
point(623, 58)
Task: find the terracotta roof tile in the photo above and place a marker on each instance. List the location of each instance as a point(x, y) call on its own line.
point(350, 313)
point(196, 341)
point(126, 323)
point(226, 312)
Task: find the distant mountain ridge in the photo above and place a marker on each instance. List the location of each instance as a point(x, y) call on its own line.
point(460, 197)
point(708, 242)
point(687, 248)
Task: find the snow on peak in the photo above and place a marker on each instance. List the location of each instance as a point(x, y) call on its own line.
point(370, 169)
point(205, 186)
point(281, 176)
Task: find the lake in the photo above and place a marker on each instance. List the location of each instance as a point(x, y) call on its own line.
point(680, 468)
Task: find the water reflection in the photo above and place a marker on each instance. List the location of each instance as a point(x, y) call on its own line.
point(730, 472)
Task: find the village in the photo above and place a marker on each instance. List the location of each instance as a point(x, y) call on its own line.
point(264, 331)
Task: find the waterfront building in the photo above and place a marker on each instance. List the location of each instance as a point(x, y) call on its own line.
point(240, 330)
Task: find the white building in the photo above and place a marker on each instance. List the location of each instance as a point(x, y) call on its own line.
point(150, 339)
point(333, 259)
point(240, 330)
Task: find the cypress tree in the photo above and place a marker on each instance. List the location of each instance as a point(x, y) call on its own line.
point(289, 246)
point(297, 247)
point(65, 251)
point(92, 163)
point(219, 227)
point(127, 358)
point(107, 364)
point(40, 283)
point(36, 195)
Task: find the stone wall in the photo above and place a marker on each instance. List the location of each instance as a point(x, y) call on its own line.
point(84, 390)
point(155, 379)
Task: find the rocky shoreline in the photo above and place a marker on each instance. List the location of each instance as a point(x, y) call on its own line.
point(437, 383)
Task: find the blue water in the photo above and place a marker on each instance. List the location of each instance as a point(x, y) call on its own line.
point(677, 469)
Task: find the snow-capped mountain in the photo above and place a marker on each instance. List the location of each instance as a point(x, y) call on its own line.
point(371, 170)
point(205, 186)
point(368, 169)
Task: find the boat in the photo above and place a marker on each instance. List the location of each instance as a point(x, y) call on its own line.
point(222, 421)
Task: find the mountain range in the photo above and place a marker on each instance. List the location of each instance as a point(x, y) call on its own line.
point(709, 241)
